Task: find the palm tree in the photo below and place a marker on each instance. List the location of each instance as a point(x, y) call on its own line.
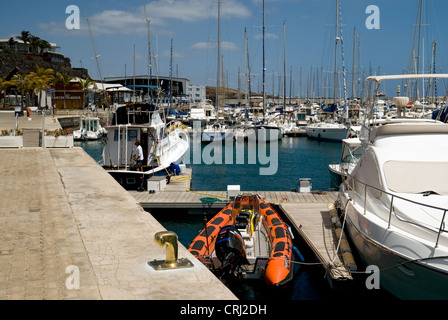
point(19, 82)
point(85, 84)
point(25, 37)
point(11, 43)
point(43, 44)
point(4, 85)
point(42, 79)
point(34, 42)
point(64, 80)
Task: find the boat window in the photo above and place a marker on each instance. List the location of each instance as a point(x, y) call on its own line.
point(353, 155)
point(416, 176)
point(368, 174)
point(130, 181)
point(132, 135)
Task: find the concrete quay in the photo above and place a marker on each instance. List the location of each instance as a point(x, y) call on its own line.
point(68, 230)
point(7, 119)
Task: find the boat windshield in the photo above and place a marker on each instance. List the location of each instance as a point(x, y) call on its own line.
point(352, 155)
point(416, 176)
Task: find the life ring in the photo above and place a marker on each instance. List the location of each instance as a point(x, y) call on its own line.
point(28, 112)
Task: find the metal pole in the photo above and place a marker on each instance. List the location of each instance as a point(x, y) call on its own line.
point(440, 229)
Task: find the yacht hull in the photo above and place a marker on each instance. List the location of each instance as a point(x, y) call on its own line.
point(327, 133)
point(400, 276)
point(397, 255)
point(264, 134)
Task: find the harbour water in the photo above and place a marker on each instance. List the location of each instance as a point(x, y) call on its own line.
point(298, 157)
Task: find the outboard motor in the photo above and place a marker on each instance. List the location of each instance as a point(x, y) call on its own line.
point(230, 250)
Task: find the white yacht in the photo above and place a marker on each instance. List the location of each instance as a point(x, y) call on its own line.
point(216, 132)
point(204, 112)
point(328, 131)
point(395, 203)
point(161, 147)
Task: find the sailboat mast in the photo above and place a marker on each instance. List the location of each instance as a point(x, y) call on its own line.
point(149, 51)
point(171, 79)
point(245, 66)
point(336, 54)
point(284, 70)
point(264, 67)
point(218, 64)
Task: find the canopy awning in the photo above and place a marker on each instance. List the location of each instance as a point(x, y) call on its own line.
point(142, 86)
point(406, 76)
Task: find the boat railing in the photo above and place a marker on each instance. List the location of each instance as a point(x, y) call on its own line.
point(369, 201)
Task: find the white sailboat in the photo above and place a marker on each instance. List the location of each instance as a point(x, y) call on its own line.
point(332, 130)
point(217, 131)
point(262, 131)
point(395, 203)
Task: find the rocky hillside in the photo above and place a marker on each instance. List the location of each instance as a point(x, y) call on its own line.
point(13, 63)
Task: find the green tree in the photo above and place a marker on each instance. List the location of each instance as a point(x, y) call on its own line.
point(43, 44)
point(11, 43)
point(41, 79)
point(20, 83)
point(4, 85)
point(85, 87)
point(25, 37)
point(34, 42)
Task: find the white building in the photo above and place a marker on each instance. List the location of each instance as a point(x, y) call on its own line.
point(19, 45)
point(196, 93)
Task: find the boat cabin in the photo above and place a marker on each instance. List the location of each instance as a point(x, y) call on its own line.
point(131, 123)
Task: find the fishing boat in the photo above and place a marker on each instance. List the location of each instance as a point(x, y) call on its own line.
point(247, 239)
point(396, 199)
point(161, 146)
point(90, 129)
point(351, 152)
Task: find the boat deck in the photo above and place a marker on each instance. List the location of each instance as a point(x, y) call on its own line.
point(312, 222)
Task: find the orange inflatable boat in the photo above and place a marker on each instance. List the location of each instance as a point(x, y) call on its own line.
point(247, 239)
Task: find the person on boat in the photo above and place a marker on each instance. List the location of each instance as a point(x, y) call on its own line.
point(138, 155)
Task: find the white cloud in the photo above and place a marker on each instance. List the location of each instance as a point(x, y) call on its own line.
point(160, 13)
point(194, 10)
point(266, 36)
point(225, 45)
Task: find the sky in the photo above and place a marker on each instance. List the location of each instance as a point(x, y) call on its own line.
point(305, 28)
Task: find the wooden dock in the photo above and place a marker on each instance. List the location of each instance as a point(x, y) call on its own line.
point(307, 212)
point(312, 221)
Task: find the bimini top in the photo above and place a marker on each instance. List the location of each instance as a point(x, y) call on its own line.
point(378, 79)
point(135, 114)
point(409, 126)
